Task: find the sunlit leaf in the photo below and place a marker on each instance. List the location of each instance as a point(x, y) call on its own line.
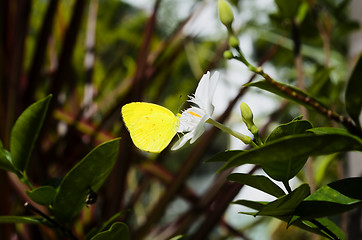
point(325, 202)
point(283, 158)
point(25, 132)
point(89, 174)
point(296, 126)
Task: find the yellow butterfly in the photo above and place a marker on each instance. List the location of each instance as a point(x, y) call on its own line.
point(151, 126)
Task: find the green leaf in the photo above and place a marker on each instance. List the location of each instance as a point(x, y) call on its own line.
point(118, 231)
point(104, 226)
point(267, 86)
point(226, 156)
point(285, 205)
point(296, 126)
point(301, 224)
point(259, 182)
point(340, 131)
point(331, 226)
point(6, 162)
point(44, 195)
point(353, 95)
point(325, 202)
point(321, 165)
point(22, 219)
point(178, 237)
point(251, 204)
point(89, 174)
point(288, 9)
point(283, 158)
point(25, 132)
point(349, 187)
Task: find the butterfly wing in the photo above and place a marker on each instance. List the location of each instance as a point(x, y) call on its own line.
point(151, 126)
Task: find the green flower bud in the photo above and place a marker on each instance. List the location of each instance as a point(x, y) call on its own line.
point(233, 42)
point(228, 54)
point(247, 116)
point(225, 13)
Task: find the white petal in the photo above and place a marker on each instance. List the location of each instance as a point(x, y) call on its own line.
point(182, 141)
point(193, 119)
point(200, 129)
point(205, 92)
point(203, 87)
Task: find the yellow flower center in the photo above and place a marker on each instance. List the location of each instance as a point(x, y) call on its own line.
point(194, 114)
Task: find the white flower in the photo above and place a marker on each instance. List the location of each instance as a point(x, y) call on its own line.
point(192, 120)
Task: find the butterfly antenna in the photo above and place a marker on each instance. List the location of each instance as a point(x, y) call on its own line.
point(180, 105)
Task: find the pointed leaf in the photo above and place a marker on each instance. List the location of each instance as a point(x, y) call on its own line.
point(325, 202)
point(288, 9)
point(329, 130)
point(301, 224)
point(259, 182)
point(353, 95)
point(5, 160)
point(118, 231)
point(285, 205)
point(348, 187)
point(332, 227)
point(25, 132)
point(106, 225)
point(178, 237)
point(22, 219)
point(250, 204)
point(226, 156)
point(44, 195)
point(89, 174)
point(283, 158)
point(296, 126)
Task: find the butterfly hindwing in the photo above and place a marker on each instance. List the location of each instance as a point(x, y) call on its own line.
point(151, 126)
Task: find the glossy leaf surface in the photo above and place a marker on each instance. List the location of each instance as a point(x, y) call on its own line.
point(43, 195)
point(89, 174)
point(283, 158)
point(326, 201)
point(25, 132)
point(6, 162)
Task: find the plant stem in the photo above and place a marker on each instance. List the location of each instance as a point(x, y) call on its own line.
point(67, 232)
point(24, 179)
point(287, 186)
point(244, 138)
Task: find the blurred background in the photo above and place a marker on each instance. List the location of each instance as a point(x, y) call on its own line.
point(94, 56)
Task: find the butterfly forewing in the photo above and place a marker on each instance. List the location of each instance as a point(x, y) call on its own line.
point(151, 126)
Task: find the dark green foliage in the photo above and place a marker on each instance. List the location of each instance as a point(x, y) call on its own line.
point(353, 94)
point(25, 133)
point(93, 56)
point(89, 174)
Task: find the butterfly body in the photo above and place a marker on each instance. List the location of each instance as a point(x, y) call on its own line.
point(151, 126)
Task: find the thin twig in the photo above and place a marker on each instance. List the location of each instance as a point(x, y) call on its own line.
point(66, 231)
